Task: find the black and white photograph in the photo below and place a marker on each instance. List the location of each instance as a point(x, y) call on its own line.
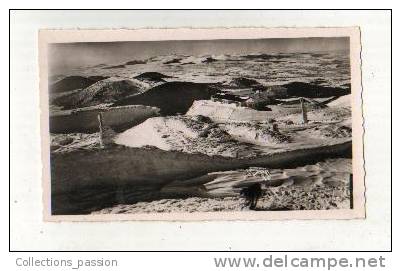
point(236, 127)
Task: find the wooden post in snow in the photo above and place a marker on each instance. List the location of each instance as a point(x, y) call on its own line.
point(100, 119)
point(106, 133)
point(303, 109)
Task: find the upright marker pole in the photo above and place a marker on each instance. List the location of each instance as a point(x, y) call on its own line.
point(106, 132)
point(304, 113)
point(100, 119)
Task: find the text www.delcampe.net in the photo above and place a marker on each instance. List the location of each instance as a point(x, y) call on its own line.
point(301, 262)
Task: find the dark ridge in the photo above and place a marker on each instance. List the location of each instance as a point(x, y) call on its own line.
point(228, 96)
point(277, 61)
point(71, 83)
point(318, 81)
point(188, 63)
point(338, 62)
point(114, 67)
point(266, 56)
point(152, 76)
point(260, 56)
point(301, 89)
point(99, 65)
point(346, 85)
point(97, 78)
point(171, 97)
point(209, 60)
point(135, 62)
point(317, 54)
point(173, 61)
point(243, 82)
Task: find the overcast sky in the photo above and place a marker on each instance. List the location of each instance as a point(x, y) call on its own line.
point(70, 55)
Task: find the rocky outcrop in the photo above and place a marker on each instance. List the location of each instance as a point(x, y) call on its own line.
point(152, 76)
point(106, 91)
point(73, 82)
point(209, 60)
point(301, 89)
point(242, 82)
point(173, 61)
point(171, 97)
point(135, 62)
point(331, 172)
point(114, 67)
